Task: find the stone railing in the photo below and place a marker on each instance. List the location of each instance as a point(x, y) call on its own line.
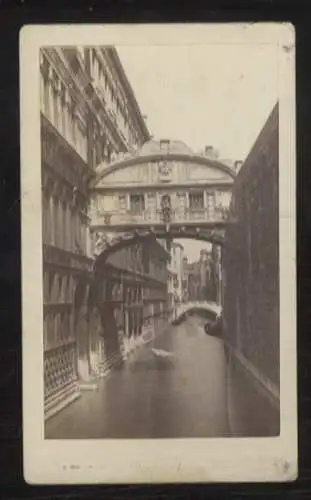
point(178, 215)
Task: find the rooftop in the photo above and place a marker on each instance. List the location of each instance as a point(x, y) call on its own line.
point(154, 147)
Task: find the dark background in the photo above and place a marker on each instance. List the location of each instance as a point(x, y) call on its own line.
point(13, 16)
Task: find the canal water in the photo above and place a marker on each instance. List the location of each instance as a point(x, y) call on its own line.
point(172, 387)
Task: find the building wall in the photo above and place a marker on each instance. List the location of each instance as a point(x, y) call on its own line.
point(251, 298)
point(77, 133)
point(140, 275)
point(201, 277)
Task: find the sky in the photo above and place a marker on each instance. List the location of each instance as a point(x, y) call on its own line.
point(215, 94)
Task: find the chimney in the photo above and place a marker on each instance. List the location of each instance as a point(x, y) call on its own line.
point(208, 150)
point(165, 145)
point(237, 165)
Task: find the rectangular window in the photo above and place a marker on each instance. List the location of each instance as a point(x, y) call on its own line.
point(45, 222)
point(73, 124)
point(77, 233)
point(137, 204)
point(81, 140)
point(68, 229)
point(165, 145)
point(65, 228)
point(51, 221)
point(81, 53)
point(196, 201)
point(63, 109)
point(60, 228)
point(122, 203)
point(50, 329)
point(64, 225)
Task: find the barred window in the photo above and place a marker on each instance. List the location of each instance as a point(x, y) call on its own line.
point(137, 204)
point(196, 200)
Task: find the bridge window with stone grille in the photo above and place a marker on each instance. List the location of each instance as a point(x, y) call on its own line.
point(137, 204)
point(196, 201)
point(122, 202)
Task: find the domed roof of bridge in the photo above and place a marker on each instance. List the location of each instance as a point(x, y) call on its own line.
point(154, 149)
point(169, 146)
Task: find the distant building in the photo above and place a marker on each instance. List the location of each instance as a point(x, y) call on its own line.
point(135, 288)
point(202, 279)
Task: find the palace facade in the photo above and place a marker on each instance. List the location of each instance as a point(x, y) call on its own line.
point(89, 115)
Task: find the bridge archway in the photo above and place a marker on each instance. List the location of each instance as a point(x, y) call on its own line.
point(106, 247)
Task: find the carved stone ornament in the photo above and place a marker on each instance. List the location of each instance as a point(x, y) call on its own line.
point(100, 243)
point(107, 219)
point(164, 169)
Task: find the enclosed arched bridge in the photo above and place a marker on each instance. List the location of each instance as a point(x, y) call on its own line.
point(162, 191)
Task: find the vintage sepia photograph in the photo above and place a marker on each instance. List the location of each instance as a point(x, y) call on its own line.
point(160, 215)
